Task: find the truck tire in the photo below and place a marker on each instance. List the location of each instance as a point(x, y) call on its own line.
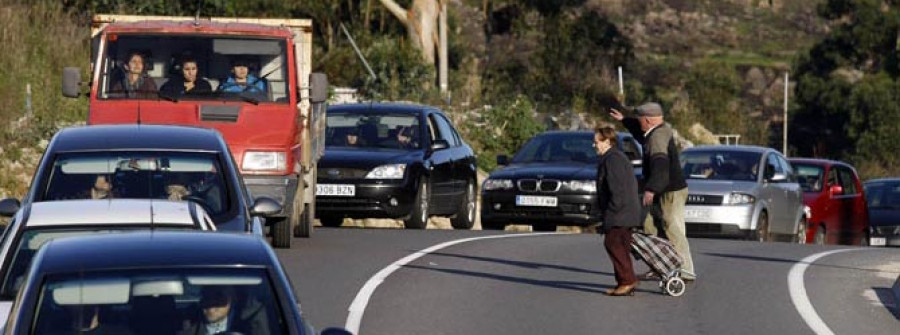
point(304, 227)
point(418, 216)
point(281, 233)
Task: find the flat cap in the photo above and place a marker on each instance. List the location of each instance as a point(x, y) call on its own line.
point(649, 109)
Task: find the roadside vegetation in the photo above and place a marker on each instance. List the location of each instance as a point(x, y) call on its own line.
point(518, 67)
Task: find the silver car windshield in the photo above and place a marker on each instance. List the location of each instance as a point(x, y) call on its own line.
point(159, 301)
point(720, 165)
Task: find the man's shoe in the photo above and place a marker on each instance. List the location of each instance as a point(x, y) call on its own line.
point(650, 275)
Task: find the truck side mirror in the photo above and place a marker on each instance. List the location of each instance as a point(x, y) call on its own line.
point(71, 82)
point(318, 91)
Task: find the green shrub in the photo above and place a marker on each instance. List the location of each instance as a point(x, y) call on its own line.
point(503, 129)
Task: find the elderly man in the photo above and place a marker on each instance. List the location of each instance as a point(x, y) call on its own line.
point(663, 182)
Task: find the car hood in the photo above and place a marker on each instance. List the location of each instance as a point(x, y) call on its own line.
point(722, 187)
point(555, 170)
point(366, 158)
point(884, 216)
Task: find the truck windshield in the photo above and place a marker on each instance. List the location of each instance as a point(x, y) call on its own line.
point(194, 67)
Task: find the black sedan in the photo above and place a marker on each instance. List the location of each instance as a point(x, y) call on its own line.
point(399, 161)
point(883, 202)
point(157, 283)
point(146, 162)
point(551, 181)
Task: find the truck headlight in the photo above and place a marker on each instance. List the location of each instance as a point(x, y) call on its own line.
point(264, 161)
point(389, 171)
point(588, 186)
point(497, 184)
point(808, 212)
point(740, 199)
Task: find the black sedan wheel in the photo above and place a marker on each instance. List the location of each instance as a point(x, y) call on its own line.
point(418, 217)
point(465, 214)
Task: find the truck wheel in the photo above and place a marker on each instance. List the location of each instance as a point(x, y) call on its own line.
point(418, 216)
point(281, 233)
point(304, 226)
point(465, 214)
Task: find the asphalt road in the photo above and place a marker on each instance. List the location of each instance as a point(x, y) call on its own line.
point(552, 284)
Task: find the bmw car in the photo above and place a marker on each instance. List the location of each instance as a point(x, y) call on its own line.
point(399, 161)
point(549, 182)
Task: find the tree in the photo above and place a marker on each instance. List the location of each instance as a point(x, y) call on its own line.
point(421, 23)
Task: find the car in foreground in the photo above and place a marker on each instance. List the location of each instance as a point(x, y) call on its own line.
point(148, 162)
point(157, 283)
point(836, 201)
point(40, 222)
point(883, 202)
point(399, 161)
point(550, 181)
point(742, 191)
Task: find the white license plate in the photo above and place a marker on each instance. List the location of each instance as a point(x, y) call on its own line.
point(336, 190)
point(696, 214)
point(877, 241)
point(530, 200)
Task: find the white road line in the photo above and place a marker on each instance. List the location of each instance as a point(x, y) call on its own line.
point(358, 306)
point(798, 292)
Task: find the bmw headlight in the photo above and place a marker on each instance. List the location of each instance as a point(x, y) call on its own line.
point(264, 161)
point(497, 184)
point(588, 186)
point(741, 199)
point(389, 171)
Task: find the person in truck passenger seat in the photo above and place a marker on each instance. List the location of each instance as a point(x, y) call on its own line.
point(136, 83)
point(189, 83)
point(241, 80)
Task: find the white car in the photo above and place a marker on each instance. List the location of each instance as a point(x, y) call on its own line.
point(35, 224)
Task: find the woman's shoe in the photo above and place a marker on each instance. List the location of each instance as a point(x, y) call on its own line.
point(622, 290)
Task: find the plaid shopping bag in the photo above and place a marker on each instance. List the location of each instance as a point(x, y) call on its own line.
point(657, 252)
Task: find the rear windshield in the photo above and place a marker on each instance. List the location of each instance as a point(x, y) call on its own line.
point(164, 301)
point(720, 165)
point(194, 67)
point(809, 177)
point(139, 175)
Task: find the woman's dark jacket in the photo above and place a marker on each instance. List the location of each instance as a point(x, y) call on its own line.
point(618, 191)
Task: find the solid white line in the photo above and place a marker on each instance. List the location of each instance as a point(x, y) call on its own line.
point(358, 306)
point(798, 292)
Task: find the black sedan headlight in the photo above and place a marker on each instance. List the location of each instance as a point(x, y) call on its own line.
point(389, 171)
point(588, 186)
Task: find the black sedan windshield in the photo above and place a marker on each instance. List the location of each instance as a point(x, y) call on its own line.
point(360, 130)
point(558, 148)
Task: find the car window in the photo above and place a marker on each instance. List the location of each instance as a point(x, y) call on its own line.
point(165, 301)
point(720, 164)
point(786, 168)
point(140, 175)
point(772, 166)
point(445, 132)
point(847, 180)
point(809, 177)
point(364, 130)
point(630, 148)
point(832, 178)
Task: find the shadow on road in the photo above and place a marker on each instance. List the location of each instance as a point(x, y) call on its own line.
point(565, 285)
point(529, 265)
point(792, 261)
point(886, 296)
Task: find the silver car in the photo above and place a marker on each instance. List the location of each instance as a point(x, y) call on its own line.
point(729, 195)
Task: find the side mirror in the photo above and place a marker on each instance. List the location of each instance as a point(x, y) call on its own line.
point(265, 206)
point(502, 160)
point(335, 331)
point(439, 145)
point(778, 177)
point(71, 82)
point(836, 190)
point(9, 207)
point(318, 91)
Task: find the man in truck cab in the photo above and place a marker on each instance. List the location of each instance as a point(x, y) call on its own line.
point(241, 80)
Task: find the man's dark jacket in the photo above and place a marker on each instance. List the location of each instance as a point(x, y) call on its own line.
point(662, 166)
point(617, 190)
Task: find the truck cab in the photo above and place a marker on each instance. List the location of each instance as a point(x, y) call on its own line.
point(250, 79)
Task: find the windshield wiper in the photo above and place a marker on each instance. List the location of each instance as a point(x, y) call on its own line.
point(166, 96)
point(248, 97)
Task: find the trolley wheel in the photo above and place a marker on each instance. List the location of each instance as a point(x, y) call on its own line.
point(674, 286)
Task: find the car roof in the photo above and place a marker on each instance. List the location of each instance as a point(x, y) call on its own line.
point(154, 249)
point(137, 137)
point(381, 107)
point(114, 212)
point(883, 180)
point(741, 148)
point(816, 161)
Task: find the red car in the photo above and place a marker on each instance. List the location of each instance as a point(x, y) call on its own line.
point(836, 199)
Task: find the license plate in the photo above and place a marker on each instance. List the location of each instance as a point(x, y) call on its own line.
point(336, 190)
point(877, 241)
point(696, 213)
point(530, 200)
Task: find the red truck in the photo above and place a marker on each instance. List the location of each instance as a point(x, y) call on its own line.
point(250, 79)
